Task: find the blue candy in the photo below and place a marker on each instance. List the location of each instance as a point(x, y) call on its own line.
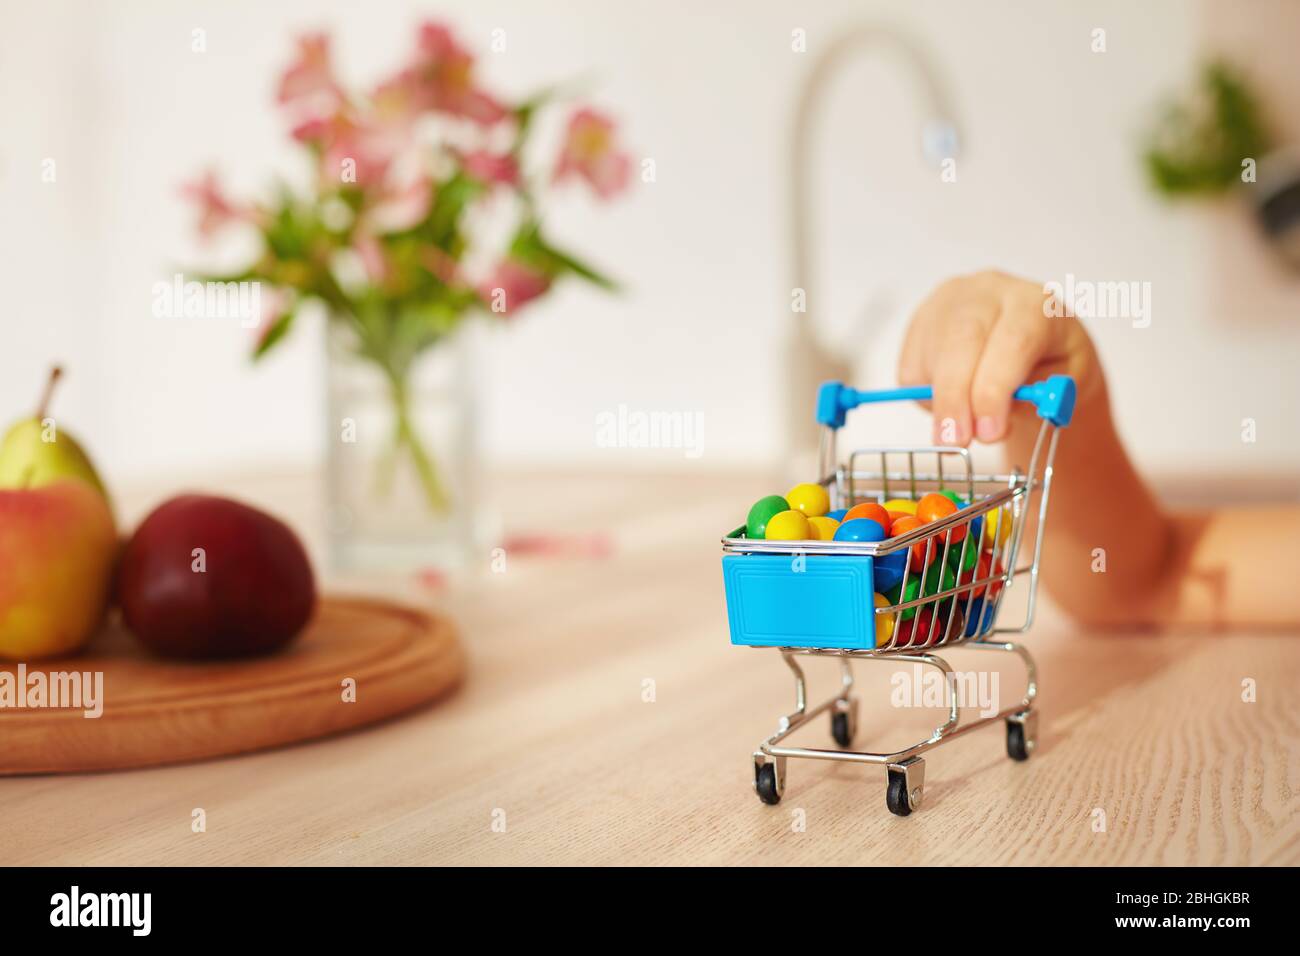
point(860, 529)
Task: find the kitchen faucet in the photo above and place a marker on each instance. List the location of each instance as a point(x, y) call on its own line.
point(810, 362)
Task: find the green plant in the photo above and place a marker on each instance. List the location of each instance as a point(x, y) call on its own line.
point(1198, 144)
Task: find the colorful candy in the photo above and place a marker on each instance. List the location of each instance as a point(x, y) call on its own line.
point(872, 511)
point(763, 511)
point(998, 530)
point(898, 595)
point(979, 617)
point(788, 526)
point(900, 528)
point(955, 556)
point(887, 569)
point(860, 529)
point(984, 570)
point(804, 515)
point(812, 500)
point(915, 633)
point(884, 622)
point(928, 628)
point(934, 507)
point(936, 581)
point(823, 527)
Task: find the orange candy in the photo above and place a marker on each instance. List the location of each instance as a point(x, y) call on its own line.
point(935, 506)
point(911, 523)
point(873, 511)
point(983, 569)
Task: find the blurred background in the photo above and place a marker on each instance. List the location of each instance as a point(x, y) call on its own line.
point(1049, 181)
point(845, 157)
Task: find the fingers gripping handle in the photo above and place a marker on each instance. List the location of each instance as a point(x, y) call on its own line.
point(1053, 397)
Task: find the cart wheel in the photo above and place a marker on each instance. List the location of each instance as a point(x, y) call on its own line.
point(896, 795)
point(842, 729)
point(1017, 747)
point(765, 784)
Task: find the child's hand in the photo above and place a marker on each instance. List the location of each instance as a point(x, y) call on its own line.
point(976, 339)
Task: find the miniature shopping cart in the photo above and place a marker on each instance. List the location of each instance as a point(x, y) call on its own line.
point(819, 598)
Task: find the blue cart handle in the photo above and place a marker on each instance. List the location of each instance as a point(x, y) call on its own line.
point(1054, 399)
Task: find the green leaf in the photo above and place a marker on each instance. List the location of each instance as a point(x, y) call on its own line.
point(449, 202)
point(531, 249)
point(250, 274)
point(275, 333)
point(581, 269)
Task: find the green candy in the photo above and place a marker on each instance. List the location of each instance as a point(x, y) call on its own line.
point(764, 510)
point(895, 596)
point(952, 496)
point(972, 554)
point(936, 582)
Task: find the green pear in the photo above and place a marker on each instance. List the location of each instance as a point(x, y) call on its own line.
point(36, 451)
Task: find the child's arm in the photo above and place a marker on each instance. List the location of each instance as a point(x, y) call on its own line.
point(978, 337)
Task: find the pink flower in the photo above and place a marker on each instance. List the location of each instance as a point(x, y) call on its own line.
point(311, 76)
point(215, 210)
point(441, 78)
point(351, 152)
point(491, 168)
point(589, 152)
point(396, 210)
point(512, 285)
point(316, 129)
point(396, 102)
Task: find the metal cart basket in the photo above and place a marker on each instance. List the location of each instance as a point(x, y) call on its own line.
point(822, 598)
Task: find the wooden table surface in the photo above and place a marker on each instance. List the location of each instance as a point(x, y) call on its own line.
point(552, 753)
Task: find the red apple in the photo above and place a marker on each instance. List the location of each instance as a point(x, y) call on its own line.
point(206, 577)
point(56, 560)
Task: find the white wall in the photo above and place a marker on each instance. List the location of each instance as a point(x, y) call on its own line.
point(1049, 183)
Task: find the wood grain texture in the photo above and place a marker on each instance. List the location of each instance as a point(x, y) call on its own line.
point(551, 734)
point(160, 712)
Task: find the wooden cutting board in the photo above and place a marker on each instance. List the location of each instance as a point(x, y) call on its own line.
point(159, 712)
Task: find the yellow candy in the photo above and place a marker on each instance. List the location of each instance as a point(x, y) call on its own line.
point(823, 528)
point(997, 529)
point(884, 622)
point(901, 504)
point(788, 526)
point(812, 500)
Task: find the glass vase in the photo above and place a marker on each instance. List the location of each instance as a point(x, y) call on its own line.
point(402, 457)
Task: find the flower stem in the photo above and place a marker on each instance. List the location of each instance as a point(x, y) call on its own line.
point(406, 434)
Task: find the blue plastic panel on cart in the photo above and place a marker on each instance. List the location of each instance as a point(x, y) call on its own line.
point(818, 601)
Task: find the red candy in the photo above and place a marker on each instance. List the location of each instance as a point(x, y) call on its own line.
point(926, 629)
